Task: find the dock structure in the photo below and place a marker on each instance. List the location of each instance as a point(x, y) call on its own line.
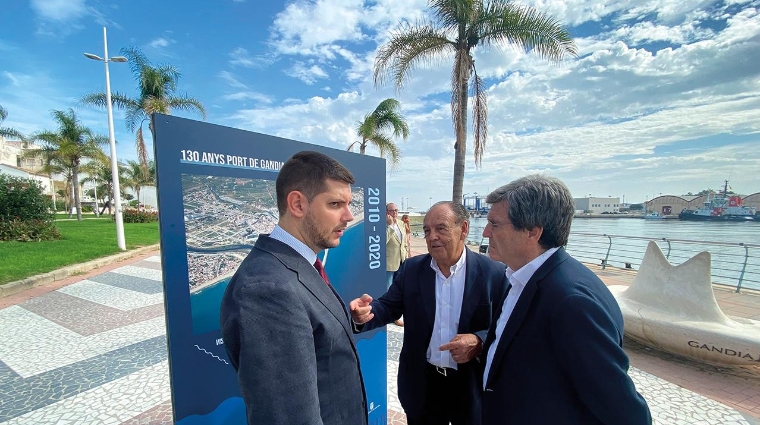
point(476, 205)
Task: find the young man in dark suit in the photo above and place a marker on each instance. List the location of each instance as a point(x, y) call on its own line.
point(285, 330)
point(555, 353)
point(447, 298)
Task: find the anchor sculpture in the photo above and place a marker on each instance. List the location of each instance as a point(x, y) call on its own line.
point(673, 308)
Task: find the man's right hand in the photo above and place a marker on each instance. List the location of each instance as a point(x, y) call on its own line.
point(361, 310)
point(389, 219)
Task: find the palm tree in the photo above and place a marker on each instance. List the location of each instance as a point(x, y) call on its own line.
point(458, 27)
point(373, 130)
point(99, 172)
point(156, 87)
point(52, 165)
point(69, 146)
point(7, 131)
point(136, 178)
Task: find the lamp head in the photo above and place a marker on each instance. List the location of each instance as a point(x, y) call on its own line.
point(93, 57)
point(118, 59)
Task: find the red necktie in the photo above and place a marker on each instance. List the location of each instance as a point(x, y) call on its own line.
point(321, 270)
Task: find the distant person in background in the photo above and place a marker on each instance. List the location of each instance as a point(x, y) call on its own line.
point(555, 353)
point(106, 206)
point(408, 227)
point(285, 329)
point(395, 246)
point(447, 298)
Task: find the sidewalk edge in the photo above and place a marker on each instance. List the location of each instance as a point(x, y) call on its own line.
point(15, 287)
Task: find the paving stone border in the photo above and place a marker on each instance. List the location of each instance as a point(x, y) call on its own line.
point(11, 288)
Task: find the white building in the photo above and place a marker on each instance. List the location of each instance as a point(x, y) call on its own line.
point(43, 180)
point(10, 151)
point(593, 205)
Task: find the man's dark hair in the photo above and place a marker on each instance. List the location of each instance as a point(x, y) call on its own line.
point(538, 201)
point(308, 172)
point(460, 213)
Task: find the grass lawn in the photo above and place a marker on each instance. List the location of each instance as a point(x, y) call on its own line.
point(82, 241)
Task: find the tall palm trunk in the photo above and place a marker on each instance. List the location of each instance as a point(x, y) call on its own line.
point(363, 146)
point(52, 191)
point(69, 197)
point(460, 147)
point(77, 201)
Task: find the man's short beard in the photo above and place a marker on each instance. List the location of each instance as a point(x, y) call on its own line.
point(311, 227)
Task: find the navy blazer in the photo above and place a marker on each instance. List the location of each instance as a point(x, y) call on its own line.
point(290, 340)
point(560, 359)
point(413, 295)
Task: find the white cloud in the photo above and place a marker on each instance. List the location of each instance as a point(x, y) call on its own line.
point(13, 78)
point(160, 42)
point(59, 18)
point(231, 80)
point(59, 10)
point(304, 25)
point(646, 32)
point(249, 95)
point(307, 74)
point(241, 57)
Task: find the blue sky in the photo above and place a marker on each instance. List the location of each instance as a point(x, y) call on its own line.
point(663, 98)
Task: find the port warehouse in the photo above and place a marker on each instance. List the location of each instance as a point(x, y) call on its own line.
point(672, 205)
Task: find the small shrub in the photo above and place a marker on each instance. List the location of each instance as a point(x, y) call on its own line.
point(131, 215)
point(25, 211)
point(87, 208)
point(23, 199)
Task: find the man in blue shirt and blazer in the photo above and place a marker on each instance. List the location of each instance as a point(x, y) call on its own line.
point(554, 353)
point(287, 333)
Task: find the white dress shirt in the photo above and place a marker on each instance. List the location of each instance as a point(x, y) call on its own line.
point(517, 279)
point(280, 234)
point(397, 229)
point(449, 292)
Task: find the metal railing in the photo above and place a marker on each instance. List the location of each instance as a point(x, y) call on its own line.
point(735, 265)
point(732, 264)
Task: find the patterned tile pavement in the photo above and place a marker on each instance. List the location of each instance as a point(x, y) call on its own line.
point(92, 350)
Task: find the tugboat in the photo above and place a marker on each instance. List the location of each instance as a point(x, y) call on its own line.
point(721, 207)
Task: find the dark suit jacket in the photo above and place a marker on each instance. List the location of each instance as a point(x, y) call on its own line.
point(413, 295)
point(560, 359)
point(289, 338)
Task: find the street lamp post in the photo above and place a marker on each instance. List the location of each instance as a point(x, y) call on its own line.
point(112, 141)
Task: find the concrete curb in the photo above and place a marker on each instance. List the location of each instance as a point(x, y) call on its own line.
point(72, 270)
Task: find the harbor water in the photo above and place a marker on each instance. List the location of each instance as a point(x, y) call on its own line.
point(672, 229)
point(621, 242)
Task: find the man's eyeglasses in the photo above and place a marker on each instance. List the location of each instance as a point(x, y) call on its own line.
point(392, 210)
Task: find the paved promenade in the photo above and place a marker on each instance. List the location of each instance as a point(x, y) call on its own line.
point(91, 349)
